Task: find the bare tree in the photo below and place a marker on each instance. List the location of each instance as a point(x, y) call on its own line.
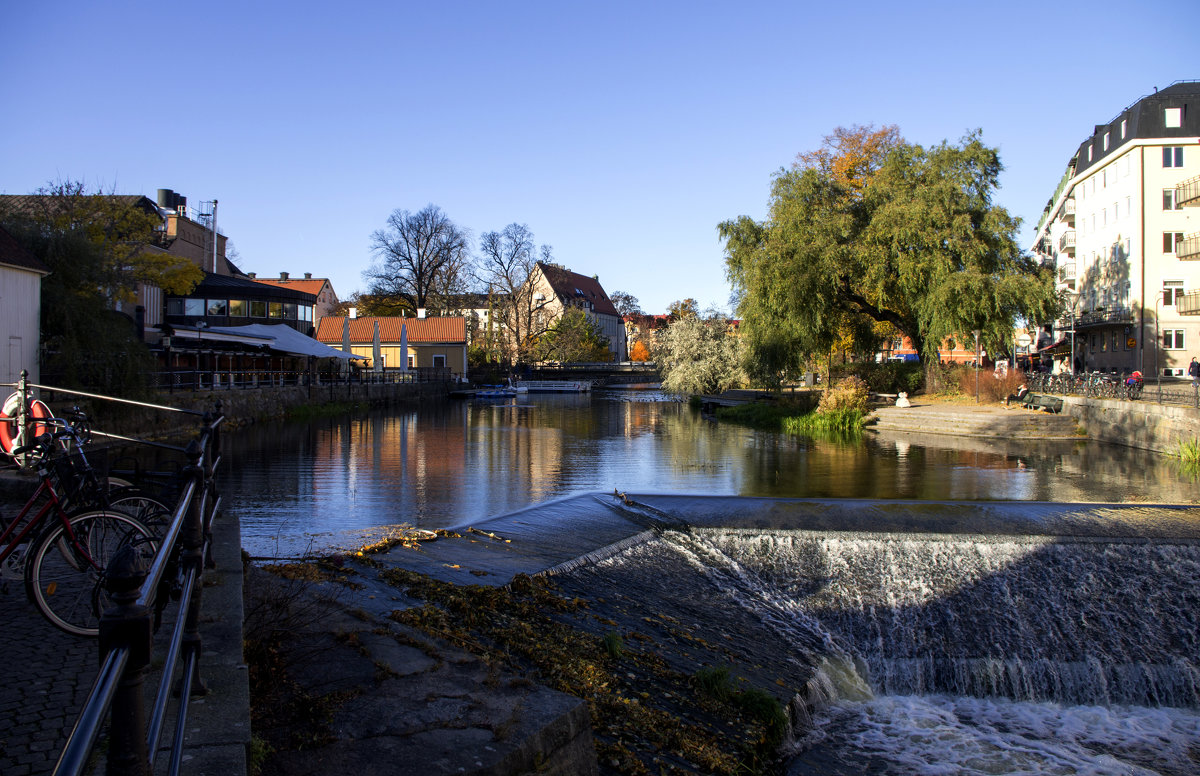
point(626, 303)
point(421, 258)
point(508, 260)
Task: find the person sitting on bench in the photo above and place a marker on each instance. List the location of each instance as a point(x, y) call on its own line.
point(1020, 395)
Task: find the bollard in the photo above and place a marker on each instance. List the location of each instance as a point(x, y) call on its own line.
point(128, 626)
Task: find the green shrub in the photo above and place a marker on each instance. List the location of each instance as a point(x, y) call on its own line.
point(849, 393)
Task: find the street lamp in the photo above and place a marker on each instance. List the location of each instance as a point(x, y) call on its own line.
point(1157, 348)
point(976, 333)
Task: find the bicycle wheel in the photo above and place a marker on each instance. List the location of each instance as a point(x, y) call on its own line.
point(64, 575)
point(142, 506)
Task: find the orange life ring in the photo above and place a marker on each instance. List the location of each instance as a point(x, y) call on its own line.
point(10, 435)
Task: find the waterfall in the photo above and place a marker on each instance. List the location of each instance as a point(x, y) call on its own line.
point(1078, 621)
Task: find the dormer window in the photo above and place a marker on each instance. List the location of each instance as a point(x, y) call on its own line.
point(1173, 118)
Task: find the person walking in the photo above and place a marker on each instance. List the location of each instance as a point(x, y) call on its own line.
point(1194, 372)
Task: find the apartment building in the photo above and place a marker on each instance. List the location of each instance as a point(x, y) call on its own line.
point(1122, 232)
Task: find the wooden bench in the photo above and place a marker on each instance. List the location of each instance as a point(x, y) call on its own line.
point(1041, 401)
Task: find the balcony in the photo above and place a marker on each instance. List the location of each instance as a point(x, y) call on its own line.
point(1188, 304)
point(1188, 249)
point(1068, 211)
point(1104, 317)
point(1187, 194)
point(1066, 272)
point(1067, 242)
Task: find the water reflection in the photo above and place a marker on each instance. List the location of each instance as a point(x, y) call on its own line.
point(297, 484)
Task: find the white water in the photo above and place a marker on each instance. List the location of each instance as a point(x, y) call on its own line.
point(947, 654)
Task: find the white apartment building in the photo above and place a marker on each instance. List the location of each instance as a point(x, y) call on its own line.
point(1123, 234)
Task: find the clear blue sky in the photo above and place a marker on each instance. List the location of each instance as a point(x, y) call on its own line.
point(621, 133)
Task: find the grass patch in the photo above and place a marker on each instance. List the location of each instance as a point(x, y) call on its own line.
point(331, 409)
point(792, 419)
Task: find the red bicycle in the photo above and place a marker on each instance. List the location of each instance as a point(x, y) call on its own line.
point(60, 554)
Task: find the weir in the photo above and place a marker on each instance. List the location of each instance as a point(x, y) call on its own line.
point(907, 649)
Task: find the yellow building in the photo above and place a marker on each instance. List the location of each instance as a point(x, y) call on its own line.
point(439, 343)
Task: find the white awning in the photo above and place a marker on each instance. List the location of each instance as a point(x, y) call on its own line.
point(279, 337)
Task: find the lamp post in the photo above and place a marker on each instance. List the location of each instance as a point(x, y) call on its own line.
point(1157, 349)
point(976, 333)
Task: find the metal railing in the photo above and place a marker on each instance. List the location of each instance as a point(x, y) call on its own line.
point(139, 595)
point(1188, 249)
point(1187, 193)
point(1067, 241)
point(1097, 385)
point(252, 379)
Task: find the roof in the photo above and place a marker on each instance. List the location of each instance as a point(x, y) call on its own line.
point(571, 286)
point(1143, 120)
point(225, 285)
point(37, 204)
point(278, 336)
point(418, 330)
point(308, 285)
point(13, 255)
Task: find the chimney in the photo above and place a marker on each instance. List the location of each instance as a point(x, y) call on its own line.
point(353, 312)
point(283, 276)
point(308, 276)
point(420, 312)
point(252, 275)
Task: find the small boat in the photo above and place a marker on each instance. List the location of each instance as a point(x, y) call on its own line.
point(554, 386)
point(496, 392)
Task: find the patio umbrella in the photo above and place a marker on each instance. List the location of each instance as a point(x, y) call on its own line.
point(403, 347)
point(346, 336)
point(376, 354)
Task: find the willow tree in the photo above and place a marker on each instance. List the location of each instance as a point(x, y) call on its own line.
point(871, 230)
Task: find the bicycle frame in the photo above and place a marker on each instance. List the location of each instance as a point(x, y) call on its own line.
point(10, 539)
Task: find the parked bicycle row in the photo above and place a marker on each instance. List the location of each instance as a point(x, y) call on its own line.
point(1100, 385)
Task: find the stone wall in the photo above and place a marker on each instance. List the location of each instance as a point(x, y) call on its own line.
point(1142, 424)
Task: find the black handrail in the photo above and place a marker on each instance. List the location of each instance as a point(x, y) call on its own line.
point(126, 629)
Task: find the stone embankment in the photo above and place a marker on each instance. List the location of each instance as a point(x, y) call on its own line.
point(240, 407)
point(980, 421)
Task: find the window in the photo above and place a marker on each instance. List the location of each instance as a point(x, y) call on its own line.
point(1126, 164)
point(1173, 118)
point(1089, 152)
point(217, 307)
point(275, 309)
point(1128, 206)
point(193, 307)
point(1172, 339)
point(289, 311)
point(1172, 156)
point(1171, 241)
point(238, 308)
point(1116, 341)
point(1169, 202)
point(258, 309)
point(174, 307)
point(1172, 292)
point(439, 362)
point(1105, 141)
point(1123, 132)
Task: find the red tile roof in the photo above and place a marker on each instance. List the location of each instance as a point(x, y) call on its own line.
point(571, 287)
point(419, 330)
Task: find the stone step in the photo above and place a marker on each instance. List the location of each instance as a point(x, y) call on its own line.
point(991, 422)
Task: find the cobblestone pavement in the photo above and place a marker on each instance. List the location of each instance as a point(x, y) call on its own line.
point(48, 675)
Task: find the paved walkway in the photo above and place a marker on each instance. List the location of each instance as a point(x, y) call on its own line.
point(49, 673)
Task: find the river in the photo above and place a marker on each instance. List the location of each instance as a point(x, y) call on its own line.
point(1068, 648)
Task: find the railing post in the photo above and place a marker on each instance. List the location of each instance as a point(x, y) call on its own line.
point(191, 538)
point(128, 625)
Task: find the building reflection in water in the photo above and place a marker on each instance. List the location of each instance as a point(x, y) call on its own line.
point(309, 484)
